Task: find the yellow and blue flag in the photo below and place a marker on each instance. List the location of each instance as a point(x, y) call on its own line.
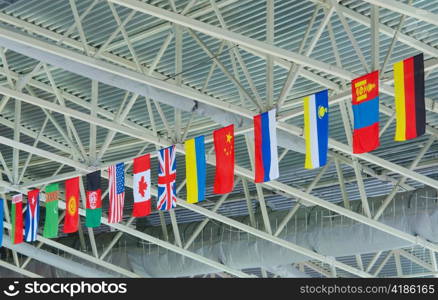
point(316, 129)
point(195, 169)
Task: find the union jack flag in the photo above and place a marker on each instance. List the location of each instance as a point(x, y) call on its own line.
point(116, 175)
point(166, 179)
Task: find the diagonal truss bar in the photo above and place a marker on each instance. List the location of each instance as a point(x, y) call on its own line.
point(240, 171)
point(231, 36)
point(408, 10)
point(19, 270)
point(193, 95)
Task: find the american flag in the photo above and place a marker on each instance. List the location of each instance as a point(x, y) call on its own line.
point(166, 179)
point(116, 176)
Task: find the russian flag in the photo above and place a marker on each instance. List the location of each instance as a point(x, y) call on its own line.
point(265, 143)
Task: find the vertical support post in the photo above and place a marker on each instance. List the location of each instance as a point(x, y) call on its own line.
point(375, 41)
point(94, 99)
point(269, 59)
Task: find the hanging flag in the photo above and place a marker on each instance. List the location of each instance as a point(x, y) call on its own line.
point(71, 219)
point(265, 146)
point(316, 129)
point(166, 178)
point(32, 215)
point(142, 186)
point(93, 211)
point(51, 223)
point(116, 175)
point(1, 221)
point(410, 109)
point(195, 169)
point(17, 219)
point(224, 148)
point(365, 94)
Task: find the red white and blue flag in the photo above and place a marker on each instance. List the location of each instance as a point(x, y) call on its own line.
point(265, 146)
point(166, 179)
point(116, 175)
point(32, 215)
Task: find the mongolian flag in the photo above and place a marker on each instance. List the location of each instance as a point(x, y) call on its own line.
point(32, 215)
point(195, 169)
point(51, 223)
point(93, 211)
point(365, 94)
point(71, 220)
point(116, 176)
point(224, 148)
point(142, 186)
point(17, 219)
point(410, 109)
point(316, 129)
point(265, 146)
point(1, 221)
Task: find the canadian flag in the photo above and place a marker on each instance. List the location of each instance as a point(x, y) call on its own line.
point(142, 186)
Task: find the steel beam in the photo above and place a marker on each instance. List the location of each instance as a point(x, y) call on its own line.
point(404, 9)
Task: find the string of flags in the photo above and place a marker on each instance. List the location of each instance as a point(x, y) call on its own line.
point(410, 123)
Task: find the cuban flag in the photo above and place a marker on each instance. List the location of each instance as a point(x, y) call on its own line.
point(32, 215)
point(116, 176)
point(265, 146)
point(166, 178)
point(316, 129)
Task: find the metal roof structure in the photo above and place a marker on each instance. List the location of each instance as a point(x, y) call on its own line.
point(88, 83)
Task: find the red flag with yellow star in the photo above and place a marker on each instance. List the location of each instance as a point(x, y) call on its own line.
point(71, 219)
point(224, 148)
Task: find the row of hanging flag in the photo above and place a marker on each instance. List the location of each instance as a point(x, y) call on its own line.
point(410, 123)
point(266, 162)
point(410, 111)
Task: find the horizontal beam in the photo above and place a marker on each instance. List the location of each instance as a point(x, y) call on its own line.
point(19, 270)
point(233, 37)
point(408, 10)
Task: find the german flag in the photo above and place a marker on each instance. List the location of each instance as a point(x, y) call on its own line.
point(409, 98)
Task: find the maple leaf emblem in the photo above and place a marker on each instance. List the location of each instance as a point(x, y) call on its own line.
point(142, 186)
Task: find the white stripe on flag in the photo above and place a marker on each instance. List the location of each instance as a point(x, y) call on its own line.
point(313, 131)
point(273, 172)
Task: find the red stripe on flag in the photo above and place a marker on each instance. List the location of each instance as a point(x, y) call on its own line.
point(366, 139)
point(18, 236)
point(142, 209)
point(411, 122)
point(142, 163)
point(258, 157)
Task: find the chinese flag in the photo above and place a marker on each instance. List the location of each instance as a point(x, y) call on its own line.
point(71, 219)
point(224, 148)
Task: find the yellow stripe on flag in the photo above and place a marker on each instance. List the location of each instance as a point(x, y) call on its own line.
point(400, 106)
point(191, 172)
point(308, 161)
